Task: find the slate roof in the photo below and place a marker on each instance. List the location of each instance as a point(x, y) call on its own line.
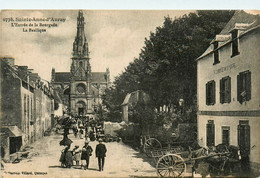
point(98, 77)
point(241, 17)
point(62, 77)
point(240, 20)
point(134, 97)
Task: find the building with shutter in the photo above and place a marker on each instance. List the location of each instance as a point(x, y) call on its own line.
point(80, 89)
point(228, 87)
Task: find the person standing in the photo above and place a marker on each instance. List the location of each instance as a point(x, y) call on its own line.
point(68, 157)
point(2, 157)
point(77, 154)
point(85, 154)
point(81, 133)
point(62, 158)
point(101, 154)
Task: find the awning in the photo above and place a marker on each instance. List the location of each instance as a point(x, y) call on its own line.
point(11, 131)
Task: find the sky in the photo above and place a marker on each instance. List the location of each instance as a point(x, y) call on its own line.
point(115, 38)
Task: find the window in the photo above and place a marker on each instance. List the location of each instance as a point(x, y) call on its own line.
point(225, 135)
point(81, 88)
point(234, 43)
point(244, 86)
point(210, 93)
point(28, 108)
point(31, 121)
point(66, 92)
point(225, 90)
point(24, 106)
point(210, 133)
point(215, 54)
point(80, 64)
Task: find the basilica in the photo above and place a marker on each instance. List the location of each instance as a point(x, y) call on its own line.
point(80, 89)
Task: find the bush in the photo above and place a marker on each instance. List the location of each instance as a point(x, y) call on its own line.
point(130, 134)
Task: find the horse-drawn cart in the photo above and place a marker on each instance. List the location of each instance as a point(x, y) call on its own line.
point(153, 145)
point(172, 162)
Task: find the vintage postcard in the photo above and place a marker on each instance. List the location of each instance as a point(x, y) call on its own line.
point(130, 93)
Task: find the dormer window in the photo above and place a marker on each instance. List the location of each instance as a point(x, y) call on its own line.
point(215, 53)
point(234, 43)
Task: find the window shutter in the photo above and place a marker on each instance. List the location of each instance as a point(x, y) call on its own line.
point(213, 92)
point(207, 94)
point(239, 97)
point(229, 90)
point(248, 86)
point(221, 91)
point(238, 135)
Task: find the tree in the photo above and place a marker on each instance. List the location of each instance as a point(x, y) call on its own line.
point(166, 68)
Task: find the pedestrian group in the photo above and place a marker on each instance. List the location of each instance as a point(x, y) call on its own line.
point(83, 155)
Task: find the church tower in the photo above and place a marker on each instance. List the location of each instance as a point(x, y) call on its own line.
point(80, 72)
point(81, 89)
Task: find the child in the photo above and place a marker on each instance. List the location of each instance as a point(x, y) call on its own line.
point(77, 154)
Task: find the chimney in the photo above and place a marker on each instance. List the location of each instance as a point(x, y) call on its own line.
point(9, 60)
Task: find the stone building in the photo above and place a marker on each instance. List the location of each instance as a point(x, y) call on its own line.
point(229, 87)
point(81, 89)
point(26, 106)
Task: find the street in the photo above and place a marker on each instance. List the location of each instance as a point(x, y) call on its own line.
point(121, 161)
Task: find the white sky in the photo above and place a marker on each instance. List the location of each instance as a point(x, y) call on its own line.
point(115, 37)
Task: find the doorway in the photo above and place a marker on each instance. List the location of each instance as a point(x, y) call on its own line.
point(244, 136)
point(15, 144)
point(244, 145)
point(80, 111)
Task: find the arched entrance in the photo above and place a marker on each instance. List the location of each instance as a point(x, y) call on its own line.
point(66, 96)
point(81, 107)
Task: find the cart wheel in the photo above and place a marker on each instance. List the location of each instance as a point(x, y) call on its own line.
point(151, 144)
point(170, 165)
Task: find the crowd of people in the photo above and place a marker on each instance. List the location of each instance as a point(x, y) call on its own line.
point(82, 127)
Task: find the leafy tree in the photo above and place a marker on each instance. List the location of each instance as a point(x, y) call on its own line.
point(166, 67)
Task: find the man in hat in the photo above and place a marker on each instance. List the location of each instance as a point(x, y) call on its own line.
point(85, 154)
point(101, 154)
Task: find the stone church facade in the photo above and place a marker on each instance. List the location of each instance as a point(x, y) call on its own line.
point(81, 89)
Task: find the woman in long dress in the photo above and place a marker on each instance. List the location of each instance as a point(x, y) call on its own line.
point(68, 157)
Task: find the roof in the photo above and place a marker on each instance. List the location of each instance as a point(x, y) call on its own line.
point(62, 77)
point(135, 97)
point(11, 131)
point(240, 20)
point(98, 77)
point(126, 100)
point(57, 97)
point(240, 17)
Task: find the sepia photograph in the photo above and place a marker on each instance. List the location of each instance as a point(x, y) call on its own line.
point(130, 93)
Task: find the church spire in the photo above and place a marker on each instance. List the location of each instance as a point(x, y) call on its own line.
point(80, 45)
